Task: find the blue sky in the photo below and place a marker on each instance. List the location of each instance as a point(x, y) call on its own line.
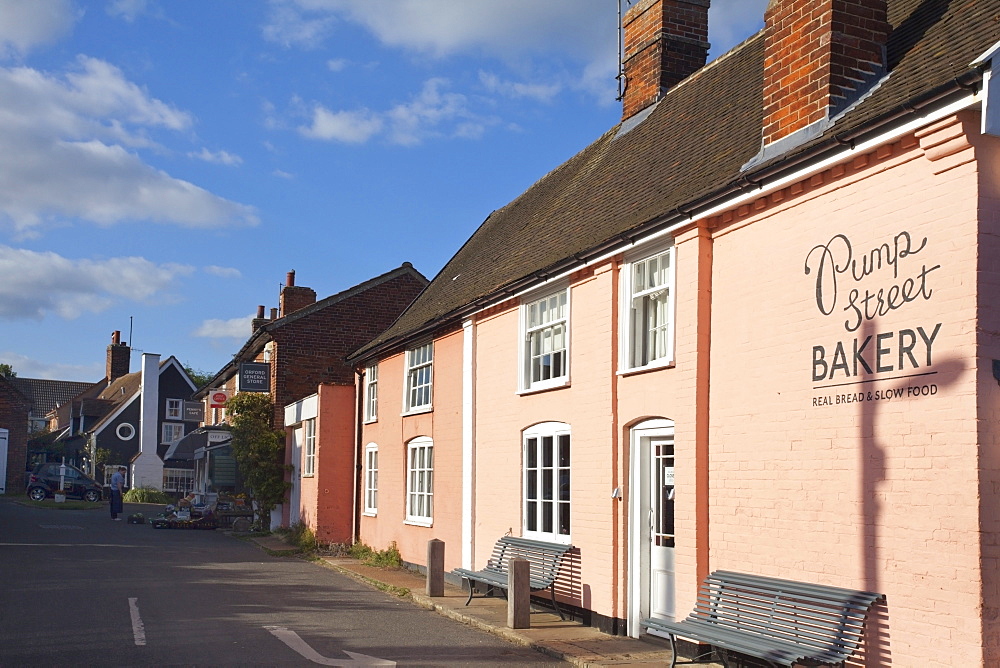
point(164, 163)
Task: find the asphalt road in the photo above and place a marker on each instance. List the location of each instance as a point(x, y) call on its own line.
point(81, 590)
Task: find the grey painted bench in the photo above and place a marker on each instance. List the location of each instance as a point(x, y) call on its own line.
point(782, 622)
point(545, 559)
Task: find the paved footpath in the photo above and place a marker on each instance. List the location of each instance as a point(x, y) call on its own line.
point(563, 639)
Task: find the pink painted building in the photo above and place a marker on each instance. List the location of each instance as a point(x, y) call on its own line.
point(750, 328)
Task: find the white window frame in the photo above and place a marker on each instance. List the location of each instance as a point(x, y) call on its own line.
point(420, 481)
point(174, 409)
point(173, 428)
point(178, 480)
point(536, 509)
point(110, 469)
point(371, 479)
point(419, 359)
point(634, 334)
point(309, 447)
point(530, 332)
point(371, 393)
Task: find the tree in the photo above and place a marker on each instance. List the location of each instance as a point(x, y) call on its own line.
point(259, 451)
point(7, 371)
point(199, 378)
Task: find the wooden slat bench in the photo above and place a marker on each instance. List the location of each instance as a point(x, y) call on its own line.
point(545, 559)
point(782, 622)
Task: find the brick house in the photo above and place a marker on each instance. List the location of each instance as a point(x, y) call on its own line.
point(752, 327)
point(42, 396)
point(305, 343)
point(14, 424)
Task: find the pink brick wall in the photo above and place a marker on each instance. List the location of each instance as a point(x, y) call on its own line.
point(781, 470)
point(877, 494)
point(586, 405)
point(392, 432)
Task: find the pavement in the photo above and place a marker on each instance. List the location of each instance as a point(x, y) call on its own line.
point(568, 640)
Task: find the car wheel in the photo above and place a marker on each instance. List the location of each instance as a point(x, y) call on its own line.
point(36, 493)
point(91, 496)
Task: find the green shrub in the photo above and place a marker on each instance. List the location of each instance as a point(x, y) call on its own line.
point(387, 558)
point(301, 536)
point(146, 495)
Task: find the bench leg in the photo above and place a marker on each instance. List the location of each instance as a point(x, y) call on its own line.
point(472, 590)
point(552, 592)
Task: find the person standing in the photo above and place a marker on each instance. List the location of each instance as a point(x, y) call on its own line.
point(117, 490)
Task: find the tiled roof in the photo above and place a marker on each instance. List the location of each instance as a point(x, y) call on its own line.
point(46, 394)
point(692, 147)
point(260, 337)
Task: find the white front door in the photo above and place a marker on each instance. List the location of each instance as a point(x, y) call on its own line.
point(651, 579)
point(661, 530)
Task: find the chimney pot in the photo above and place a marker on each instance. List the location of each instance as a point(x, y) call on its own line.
point(260, 311)
point(290, 278)
point(274, 313)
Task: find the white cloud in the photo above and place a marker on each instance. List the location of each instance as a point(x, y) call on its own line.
point(516, 90)
point(283, 174)
point(350, 127)
point(26, 367)
point(295, 24)
point(127, 10)
point(500, 28)
point(434, 111)
point(33, 284)
point(234, 328)
point(572, 43)
point(336, 64)
point(67, 151)
point(217, 157)
point(26, 24)
point(223, 272)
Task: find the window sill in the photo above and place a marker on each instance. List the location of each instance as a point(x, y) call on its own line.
point(308, 475)
point(547, 537)
point(544, 388)
point(372, 421)
point(645, 369)
point(370, 513)
point(418, 411)
point(419, 522)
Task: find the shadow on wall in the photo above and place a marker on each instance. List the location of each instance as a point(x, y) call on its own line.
point(876, 652)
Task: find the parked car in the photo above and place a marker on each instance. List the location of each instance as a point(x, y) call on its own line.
point(43, 481)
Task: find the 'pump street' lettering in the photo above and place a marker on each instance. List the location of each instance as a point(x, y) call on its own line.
point(878, 353)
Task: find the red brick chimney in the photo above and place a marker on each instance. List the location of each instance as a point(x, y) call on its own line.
point(665, 42)
point(819, 57)
point(294, 298)
point(119, 358)
point(258, 321)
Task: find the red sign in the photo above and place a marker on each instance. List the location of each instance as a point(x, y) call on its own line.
point(217, 398)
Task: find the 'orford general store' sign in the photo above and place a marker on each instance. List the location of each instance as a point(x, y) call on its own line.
point(861, 287)
point(255, 377)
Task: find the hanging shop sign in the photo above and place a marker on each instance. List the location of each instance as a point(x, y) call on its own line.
point(255, 377)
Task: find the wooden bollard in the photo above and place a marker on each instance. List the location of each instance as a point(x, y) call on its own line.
point(518, 594)
point(435, 567)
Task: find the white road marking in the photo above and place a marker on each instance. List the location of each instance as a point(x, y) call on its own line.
point(292, 639)
point(138, 630)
